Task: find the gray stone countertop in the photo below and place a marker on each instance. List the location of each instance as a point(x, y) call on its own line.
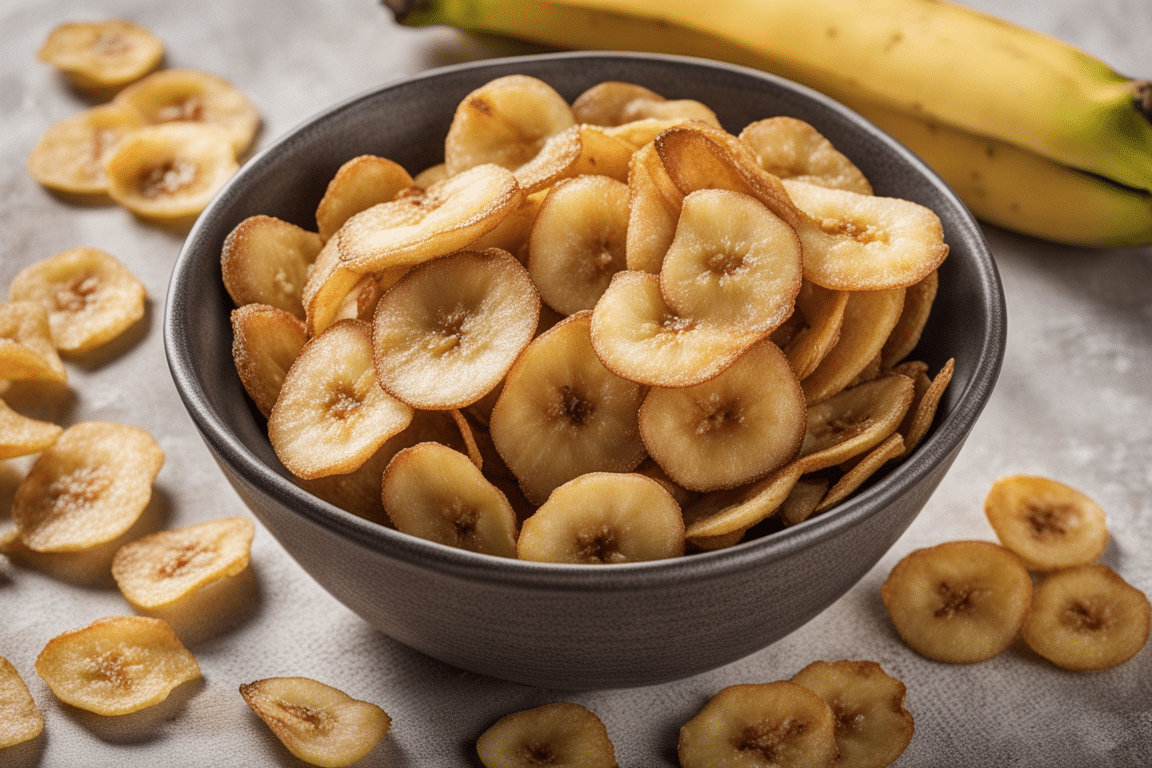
point(1073, 402)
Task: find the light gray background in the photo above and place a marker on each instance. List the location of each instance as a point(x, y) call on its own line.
point(1073, 403)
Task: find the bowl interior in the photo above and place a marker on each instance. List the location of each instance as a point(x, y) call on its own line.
point(406, 122)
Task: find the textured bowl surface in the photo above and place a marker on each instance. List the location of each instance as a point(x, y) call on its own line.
point(572, 626)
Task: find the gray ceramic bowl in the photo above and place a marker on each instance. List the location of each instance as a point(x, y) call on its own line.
point(553, 625)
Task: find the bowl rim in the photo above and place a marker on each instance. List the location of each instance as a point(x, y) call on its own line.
point(943, 439)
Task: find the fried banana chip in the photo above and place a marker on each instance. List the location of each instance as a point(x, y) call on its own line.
point(265, 343)
point(639, 338)
point(1050, 525)
point(436, 493)
point(21, 435)
point(116, 665)
point(359, 184)
point(102, 55)
point(560, 734)
point(869, 464)
point(89, 487)
point(423, 224)
point(1087, 617)
point(192, 96)
point(27, 352)
point(793, 149)
point(873, 727)
point(265, 260)
point(506, 121)
point(918, 300)
point(653, 209)
point(726, 512)
point(449, 330)
point(760, 724)
point(733, 429)
point(855, 242)
point(869, 317)
point(562, 414)
point(70, 156)
point(958, 602)
point(604, 518)
point(926, 400)
point(336, 291)
point(91, 297)
point(803, 500)
point(170, 171)
point(732, 261)
point(317, 723)
point(617, 103)
point(20, 718)
point(577, 241)
point(166, 566)
point(332, 414)
point(854, 421)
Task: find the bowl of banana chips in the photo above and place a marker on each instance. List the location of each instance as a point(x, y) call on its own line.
point(586, 370)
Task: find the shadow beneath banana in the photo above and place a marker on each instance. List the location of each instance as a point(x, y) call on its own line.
point(213, 610)
point(137, 727)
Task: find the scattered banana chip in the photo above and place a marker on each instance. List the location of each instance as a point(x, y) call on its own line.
point(20, 718)
point(195, 97)
point(116, 665)
point(21, 435)
point(265, 343)
point(792, 149)
point(760, 724)
point(959, 602)
point(562, 414)
point(559, 734)
point(873, 727)
point(98, 55)
point(71, 154)
point(1087, 617)
point(506, 121)
point(359, 184)
point(170, 171)
point(1048, 524)
point(604, 518)
point(317, 723)
point(449, 330)
point(423, 224)
point(332, 415)
point(732, 261)
point(577, 241)
point(166, 566)
point(89, 487)
point(90, 296)
point(27, 352)
point(730, 430)
point(265, 260)
point(436, 493)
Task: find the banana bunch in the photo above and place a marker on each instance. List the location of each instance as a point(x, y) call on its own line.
point(1033, 134)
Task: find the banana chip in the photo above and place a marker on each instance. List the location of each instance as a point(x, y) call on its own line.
point(616, 103)
point(319, 724)
point(873, 728)
point(792, 149)
point(779, 724)
point(100, 55)
point(265, 260)
point(166, 566)
point(20, 718)
point(653, 209)
point(265, 343)
point(116, 665)
point(71, 154)
point(194, 97)
point(90, 296)
point(170, 171)
point(88, 488)
point(1050, 525)
point(854, 421)
point(359, 184)
point(26, 348)
point(21, 435)
point(560, 733)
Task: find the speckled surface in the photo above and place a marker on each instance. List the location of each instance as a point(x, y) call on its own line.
point(1072, 403)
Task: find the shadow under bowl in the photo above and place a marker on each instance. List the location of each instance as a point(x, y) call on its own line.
point(563, 626)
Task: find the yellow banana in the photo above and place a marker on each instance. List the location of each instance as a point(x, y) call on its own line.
point(1071, 139)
